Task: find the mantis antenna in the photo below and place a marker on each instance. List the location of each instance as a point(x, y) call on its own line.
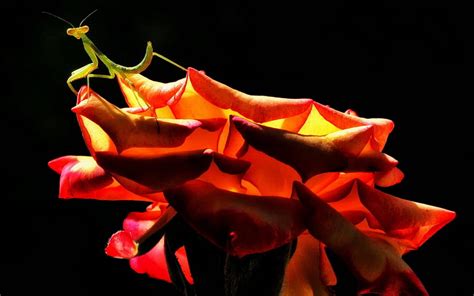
point(60, 18)
point(67, 22)
point(87, 17)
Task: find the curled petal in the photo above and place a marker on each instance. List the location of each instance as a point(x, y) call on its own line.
point(121, 245)
point(82, 177)
point(257, 108)
point(128, 130)
point(389, 177)
point(402, 218)
point(377, 264)
point(95, 137)
point(151, 174)
point(309, 271)
point(312, 155)
point(137, 227)
point(238, 223)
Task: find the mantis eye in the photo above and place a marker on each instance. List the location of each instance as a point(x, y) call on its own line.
point(83, 29)
point(71, 31)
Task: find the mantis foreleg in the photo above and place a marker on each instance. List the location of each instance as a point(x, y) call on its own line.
point(80, 73)
point(85, 70)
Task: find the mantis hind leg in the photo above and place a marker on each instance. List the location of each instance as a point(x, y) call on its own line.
point(169, 61)
point(80, 73)
point(138, 97)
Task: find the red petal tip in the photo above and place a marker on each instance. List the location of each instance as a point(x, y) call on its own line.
point(58, 164)
point(121, 245)
point(79, 107)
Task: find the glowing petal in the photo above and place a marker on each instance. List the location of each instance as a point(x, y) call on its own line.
point(402, 218)
point(377, 265)
point(94, 136)
point(81, 177)
point(389, 178)
point(257, 108)
point(316, 125)
point(121, 245)
point(136, 227)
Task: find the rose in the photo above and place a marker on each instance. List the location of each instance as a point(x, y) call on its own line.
point(250, 173)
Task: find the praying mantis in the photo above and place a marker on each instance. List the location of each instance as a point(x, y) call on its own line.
point(95, 55)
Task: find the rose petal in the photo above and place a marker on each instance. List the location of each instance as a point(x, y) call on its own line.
point(135, 131)
point(238, 223)
point(95, 137)
point(389, 178)
point(151, 174)
point(376, 264)
point(81, 177)
point(402, 218)
point(309, 271)
point(312, 155)
point(137, 227)
point(257, 108)
point(192, 105)
point(121, 245)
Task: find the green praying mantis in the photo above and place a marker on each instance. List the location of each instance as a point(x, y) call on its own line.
point(95, 55)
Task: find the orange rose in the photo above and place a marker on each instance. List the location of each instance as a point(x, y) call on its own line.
point(250, 174)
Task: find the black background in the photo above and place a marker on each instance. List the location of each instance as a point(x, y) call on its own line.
point(402, 60)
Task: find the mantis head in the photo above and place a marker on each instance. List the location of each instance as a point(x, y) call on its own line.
point(77, 32)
